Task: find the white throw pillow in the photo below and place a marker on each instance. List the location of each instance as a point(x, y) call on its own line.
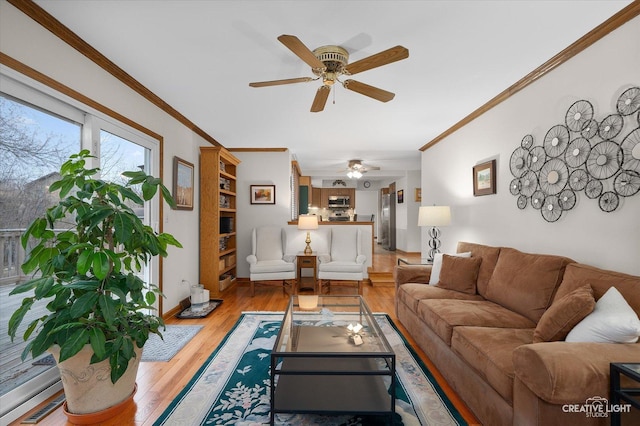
point(437, 265)
point(612, 321)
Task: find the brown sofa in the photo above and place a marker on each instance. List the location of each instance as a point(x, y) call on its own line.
point(483, 343)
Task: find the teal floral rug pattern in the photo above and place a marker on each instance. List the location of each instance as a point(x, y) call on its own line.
point(233, 386)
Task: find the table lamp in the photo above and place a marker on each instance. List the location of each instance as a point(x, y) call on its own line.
point(434, 216)
point(307, 222)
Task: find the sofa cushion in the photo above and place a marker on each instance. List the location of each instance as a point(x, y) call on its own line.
point(265, 266)
point(489, 256)
point(412, 293)
point(601, 280)
point(565, 373)
point(524, 282)
point(445, 314)
point(268, 243)
point(434, 278)
point(564, 314)
point(459, 273)
point(489, 351)
point(612, 321)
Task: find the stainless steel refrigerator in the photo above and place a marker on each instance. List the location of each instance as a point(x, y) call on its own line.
point(388, 221)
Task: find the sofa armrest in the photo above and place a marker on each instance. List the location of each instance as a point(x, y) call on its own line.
point(252, 259)
point(564, 373)
point(412, 274)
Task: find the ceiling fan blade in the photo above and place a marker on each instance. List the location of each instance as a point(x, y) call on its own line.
point(383, 58)
point(279, 82)
point(321, 98)
point(296, 46)
point(370, 91)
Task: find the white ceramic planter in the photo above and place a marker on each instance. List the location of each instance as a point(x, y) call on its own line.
point(88, 387)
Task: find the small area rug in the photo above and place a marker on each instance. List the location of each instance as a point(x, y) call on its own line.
point(232, 386)
point(175, 338)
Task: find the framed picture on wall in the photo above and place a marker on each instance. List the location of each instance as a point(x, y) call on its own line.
point(400, 196)
point(417, 195)
point(484, 178)
point(182, 184)
point(263, 194)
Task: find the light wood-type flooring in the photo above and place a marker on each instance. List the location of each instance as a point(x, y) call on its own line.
point(159, 382)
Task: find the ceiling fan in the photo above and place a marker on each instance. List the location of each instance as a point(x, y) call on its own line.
point(332, 62)
point(355, 169)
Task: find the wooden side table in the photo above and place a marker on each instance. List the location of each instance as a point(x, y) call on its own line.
point(307, 261)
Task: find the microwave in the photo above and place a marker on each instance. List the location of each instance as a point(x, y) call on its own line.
point(339, 201)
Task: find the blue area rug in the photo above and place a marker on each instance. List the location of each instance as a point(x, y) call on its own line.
point(174, 338)
point(233, 387)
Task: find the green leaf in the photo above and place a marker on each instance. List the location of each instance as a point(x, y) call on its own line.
point(150, 297)
point(83, 304)
point(27, 286)
point(168, 197)
point(123, 227)
point(127, 193)
point(74, 343)
point(108, 308)
point(148, 190)
point(44, 287)
point(84, 262)
point(169, 239)
point(101, 265)
point(98, 341)
point(18, 316)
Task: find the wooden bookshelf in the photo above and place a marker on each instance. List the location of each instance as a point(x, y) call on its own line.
point(218, 224)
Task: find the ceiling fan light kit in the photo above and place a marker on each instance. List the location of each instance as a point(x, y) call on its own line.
point(331, 62)
point(355, 169)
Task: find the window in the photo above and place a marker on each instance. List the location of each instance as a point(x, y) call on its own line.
point(38, 132)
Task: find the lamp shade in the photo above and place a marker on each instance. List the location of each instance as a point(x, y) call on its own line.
point(434, 216)
point(307, 222)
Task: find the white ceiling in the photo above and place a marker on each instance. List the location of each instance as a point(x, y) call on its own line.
point(199, 57)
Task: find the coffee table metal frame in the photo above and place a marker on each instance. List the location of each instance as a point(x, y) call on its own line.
point(317, 368)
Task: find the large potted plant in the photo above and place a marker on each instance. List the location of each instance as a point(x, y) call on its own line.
point(99, 310)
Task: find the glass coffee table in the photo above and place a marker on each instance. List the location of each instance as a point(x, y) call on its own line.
point(330, 357)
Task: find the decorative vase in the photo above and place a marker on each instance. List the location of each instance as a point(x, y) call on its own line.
point(88, 388)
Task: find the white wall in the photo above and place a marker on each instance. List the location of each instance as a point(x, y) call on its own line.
point(608, 240)
point(260, 168)
point(25, 40)
point(366, 205)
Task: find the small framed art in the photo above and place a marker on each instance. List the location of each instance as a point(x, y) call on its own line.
point(417, 196)
point(484, 178)
point(182, 184)
point(400, 196)
point(263, 194)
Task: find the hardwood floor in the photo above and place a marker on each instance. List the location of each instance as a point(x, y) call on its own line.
point(160, 382)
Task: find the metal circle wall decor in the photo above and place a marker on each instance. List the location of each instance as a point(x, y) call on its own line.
point(578, 114)
point(611, 126)
point(567, 199)
point(631, 151)
point(597, 157)
point(556, 140)
point(578, 179)
point(627, 183)
point(553, 176)
point(551, 210)
point(593, 189)
point(577, 152)
point(629, 101)
point(518, 162)
point(590, 129)
point(609, 201)
point(536, 158)
point(604, 160)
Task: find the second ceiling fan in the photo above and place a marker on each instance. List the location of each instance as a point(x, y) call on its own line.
point(331, 62)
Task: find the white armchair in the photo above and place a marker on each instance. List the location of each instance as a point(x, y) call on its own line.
point(346, 260)
point(267, 261)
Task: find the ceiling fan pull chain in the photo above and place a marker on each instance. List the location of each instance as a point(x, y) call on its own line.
point(334, 96)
